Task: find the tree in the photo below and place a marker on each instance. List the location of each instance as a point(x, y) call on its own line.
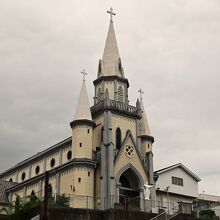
point(207, 214)
point(61, 201)
point(18, 205)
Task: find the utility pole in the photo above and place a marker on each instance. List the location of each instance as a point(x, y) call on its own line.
point(168, 200)
point(45, 204)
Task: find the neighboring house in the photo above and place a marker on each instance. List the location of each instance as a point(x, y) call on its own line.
point(206, 201)
point(176, 184)
point(4, 202)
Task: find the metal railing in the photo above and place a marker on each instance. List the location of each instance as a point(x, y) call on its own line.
point(165, 215)
point(114, 105)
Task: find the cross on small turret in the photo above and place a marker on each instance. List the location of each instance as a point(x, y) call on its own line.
point(111, 14)
point(141, 92)
point(84, 75)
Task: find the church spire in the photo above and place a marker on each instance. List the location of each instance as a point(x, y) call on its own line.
point(145, 130)
point(83, 108)
point(111, 62)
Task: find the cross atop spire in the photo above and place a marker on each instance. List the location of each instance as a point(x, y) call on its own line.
point(141, 92)
point(111, 14)
point(84, 75)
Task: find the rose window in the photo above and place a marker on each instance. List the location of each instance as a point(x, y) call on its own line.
point(129, 150)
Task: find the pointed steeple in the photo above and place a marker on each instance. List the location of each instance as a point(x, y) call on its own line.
point(111, 62)
point(145, 130)
point(83, 108)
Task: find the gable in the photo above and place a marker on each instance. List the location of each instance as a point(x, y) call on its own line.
point(128, 154)
point(189, 187)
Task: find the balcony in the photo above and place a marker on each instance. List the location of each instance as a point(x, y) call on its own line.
point(115, 106)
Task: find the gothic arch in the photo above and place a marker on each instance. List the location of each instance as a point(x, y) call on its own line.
point(126, 167)
point(120, 94)
point(129, 177)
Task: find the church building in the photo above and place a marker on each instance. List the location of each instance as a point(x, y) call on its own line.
point(109, 155)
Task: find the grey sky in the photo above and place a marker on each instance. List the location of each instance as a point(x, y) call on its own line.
point(171, 49)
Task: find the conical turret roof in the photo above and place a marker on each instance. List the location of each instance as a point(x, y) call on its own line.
point(83, 107)
point(111, 63)
point(145, 130)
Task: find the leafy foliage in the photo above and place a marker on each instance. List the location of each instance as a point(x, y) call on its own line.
point(207, 214)
point(30, 208)
point(60, 201)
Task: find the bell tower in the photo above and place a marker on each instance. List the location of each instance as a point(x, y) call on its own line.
point(110, 78)
point(121, 138)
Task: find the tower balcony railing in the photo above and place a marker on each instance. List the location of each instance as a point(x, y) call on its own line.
point(116, 106)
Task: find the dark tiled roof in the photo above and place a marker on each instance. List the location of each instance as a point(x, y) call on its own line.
point(4, 185)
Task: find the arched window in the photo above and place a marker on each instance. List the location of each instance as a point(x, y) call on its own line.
point(99, 94)
point(118, 138)
point(37, 169)
point(50, 189)
point(52, 162)
point(69, 155)
point(23, 176)
point(120, 94)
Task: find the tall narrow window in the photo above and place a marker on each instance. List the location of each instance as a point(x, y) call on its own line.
point(118, 138)
point(99, 94)
point(120, 94)
point(102, 130)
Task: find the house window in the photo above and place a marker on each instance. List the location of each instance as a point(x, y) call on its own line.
point(69, 155)
point(52, 162)
point(177, 181)
point(118, 138)
point(80, 144)
point(79, 180)
point(89, 173)
point(88, 131)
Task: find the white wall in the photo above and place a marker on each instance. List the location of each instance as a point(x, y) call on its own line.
point(190, 185)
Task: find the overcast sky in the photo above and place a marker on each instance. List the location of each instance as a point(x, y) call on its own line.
point(170, 49)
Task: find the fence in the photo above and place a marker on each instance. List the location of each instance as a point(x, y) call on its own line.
point(120, 202)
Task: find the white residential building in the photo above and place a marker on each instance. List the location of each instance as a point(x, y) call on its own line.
point(176, 184)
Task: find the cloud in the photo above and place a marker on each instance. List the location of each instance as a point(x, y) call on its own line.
point(169, 48)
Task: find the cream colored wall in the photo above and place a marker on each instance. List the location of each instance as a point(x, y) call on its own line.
point(26, 170)
point(34, 187)
point(80, 135)
point(12, 175)
point(81, 193)
point(54, 155)
point(64, 154)
point(110, 86)
point(125, 124)
point(19, 192)
point(97, 131)
point(52, 182)
point(146, 146)
point(39, 163)
point(122, 160)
